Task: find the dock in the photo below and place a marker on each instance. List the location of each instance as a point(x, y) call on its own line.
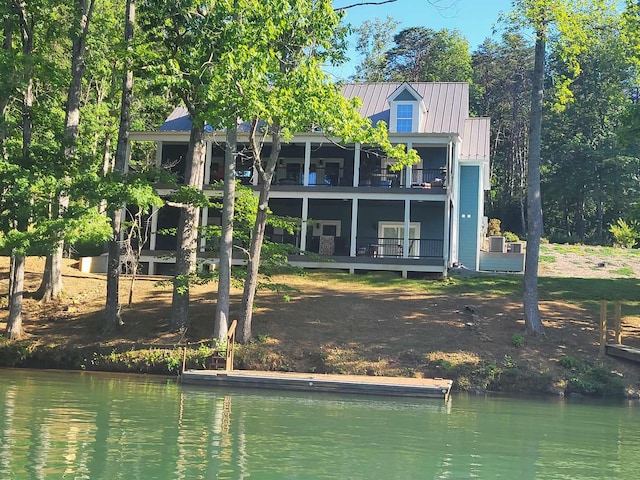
point(623, 351)
point(315, 382)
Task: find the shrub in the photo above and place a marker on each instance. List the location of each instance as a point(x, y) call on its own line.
point(493, 228)
point(624, 234)
point(588, 379)
point(511, 237)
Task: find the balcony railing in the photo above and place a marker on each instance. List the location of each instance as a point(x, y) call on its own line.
point(294, 175)
point(334, 176)
point(423, 177)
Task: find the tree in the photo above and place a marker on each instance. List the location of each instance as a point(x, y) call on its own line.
point(502, 91)
point(51, 286)
point(372, 43)
point(112, 318)
point(569, 19)
point(197, 52)
point(588, 175)
point(289, 93)
point(421, 54)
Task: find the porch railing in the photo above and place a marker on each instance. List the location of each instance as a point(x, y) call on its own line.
point(394, 247)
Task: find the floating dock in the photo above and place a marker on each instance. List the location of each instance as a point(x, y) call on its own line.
point(623, 351)
point(313, 382)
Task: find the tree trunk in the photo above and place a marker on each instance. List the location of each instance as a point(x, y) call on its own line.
point(533, 322)
point(221, 321)
point(187, 231)
point(14, 330)
point(257, 236)
point(51, 286)
point(111, 318)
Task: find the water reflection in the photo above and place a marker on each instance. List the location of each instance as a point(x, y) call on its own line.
point(64, 425)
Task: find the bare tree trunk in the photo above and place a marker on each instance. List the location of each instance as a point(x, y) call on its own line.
point(111, 317)
point(187, 231)
point(221, 321)
point(14, 330)
point(533, 322)
point(51, 286)
point(7, 34)
point(257, 236)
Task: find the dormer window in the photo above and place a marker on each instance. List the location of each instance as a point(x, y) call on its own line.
point(407, 110)
point(404, 118)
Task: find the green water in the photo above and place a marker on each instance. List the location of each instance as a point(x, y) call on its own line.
point(92, 426)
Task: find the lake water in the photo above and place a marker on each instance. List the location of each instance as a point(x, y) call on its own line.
point(94, 426)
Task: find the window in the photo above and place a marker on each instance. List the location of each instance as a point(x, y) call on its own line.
point(391, 238)
point(404, 119)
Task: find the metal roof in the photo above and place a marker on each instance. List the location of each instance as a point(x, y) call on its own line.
point(475, 139)
point(447, 103)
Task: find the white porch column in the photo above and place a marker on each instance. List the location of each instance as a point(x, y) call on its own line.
point(204, 217)
point(354, 227)
point(307, 163)
point(408, 175)
point(447, 232)
point(303, 229)
point(123, 219)
point(127, 156)
point(207, 164)
point(154, 228)
point(158, 155)
point(356, 165)
point(407, 222)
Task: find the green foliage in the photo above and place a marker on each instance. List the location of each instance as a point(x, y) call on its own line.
point(511, 237)
point(625, 234)
point(588, 379)
point(517, 340)
point(494, 227)
point(447, 50)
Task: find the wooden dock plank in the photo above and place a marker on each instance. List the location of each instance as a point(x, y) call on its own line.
point(356, 384)
point(623, 351)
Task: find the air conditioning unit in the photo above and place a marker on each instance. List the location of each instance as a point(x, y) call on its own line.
point(514, 247)
point(497, 244)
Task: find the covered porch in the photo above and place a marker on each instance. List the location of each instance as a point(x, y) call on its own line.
point(366, 234)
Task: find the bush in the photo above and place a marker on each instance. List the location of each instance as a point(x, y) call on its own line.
point(511, 237)
point(493, 229)
point(588, 379)
point(624, 234)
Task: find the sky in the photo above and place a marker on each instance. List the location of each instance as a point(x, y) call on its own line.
point(474, 18)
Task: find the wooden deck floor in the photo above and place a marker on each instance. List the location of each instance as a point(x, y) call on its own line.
point(623, 351)
point(358, 384)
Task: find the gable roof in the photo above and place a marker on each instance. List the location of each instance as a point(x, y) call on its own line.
point(447, 103)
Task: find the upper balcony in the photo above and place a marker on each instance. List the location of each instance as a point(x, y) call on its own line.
point(324, 166)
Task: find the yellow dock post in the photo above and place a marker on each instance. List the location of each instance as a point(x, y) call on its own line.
point(618, 321)
point(603, 326)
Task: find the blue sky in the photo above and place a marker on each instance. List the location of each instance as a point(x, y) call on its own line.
point(474, 18)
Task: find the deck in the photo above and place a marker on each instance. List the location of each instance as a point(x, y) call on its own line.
point(352, 384)
point(623, 351)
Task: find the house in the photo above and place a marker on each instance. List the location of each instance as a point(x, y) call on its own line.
point(355, 211)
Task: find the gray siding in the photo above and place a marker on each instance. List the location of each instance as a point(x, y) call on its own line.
point(468, 235)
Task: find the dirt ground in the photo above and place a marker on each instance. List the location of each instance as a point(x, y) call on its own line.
point(354, 327)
